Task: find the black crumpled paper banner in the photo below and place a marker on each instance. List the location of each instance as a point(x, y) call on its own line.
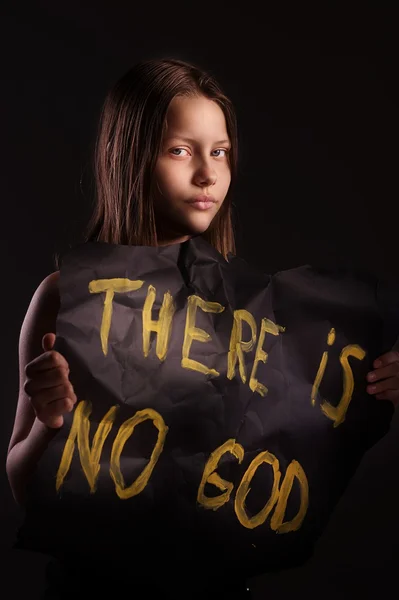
point(302, 444)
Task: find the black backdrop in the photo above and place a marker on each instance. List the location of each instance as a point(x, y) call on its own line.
point(315, 98)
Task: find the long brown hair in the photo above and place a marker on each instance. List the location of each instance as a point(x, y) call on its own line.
point(129, 139)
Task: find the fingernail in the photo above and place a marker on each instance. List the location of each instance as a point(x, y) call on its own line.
point(372, 388)
point(378, 363)
point(371, 376)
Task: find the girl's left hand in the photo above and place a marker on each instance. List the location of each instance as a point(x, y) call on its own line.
point(386, 369)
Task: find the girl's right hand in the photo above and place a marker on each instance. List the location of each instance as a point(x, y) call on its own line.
point(48, 386)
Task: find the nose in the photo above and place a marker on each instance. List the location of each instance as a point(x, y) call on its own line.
point(205, 176)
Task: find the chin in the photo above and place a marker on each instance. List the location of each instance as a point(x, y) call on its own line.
point(198, 225)
point(197, 229)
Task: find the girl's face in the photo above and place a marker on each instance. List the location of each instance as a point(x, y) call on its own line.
point(193, 162)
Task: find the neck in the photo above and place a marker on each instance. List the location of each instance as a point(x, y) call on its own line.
point(166, 240)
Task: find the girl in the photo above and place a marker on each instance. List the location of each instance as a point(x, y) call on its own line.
point(165, 165)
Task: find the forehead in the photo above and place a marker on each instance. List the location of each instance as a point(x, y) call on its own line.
point(195, 115)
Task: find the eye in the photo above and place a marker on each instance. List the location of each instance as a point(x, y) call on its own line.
point(221, 150)
point(178, 149)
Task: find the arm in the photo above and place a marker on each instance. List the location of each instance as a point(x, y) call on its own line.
point(30, 436)
point(24, 456)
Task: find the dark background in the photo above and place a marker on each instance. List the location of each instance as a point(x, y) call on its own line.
point(315, 98)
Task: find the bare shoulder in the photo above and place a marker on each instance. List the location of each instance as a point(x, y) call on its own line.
point(40, 318)
point(49, 285)
point(43, 307)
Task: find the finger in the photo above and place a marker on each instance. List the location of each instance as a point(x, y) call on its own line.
point(44, 362)
point(52, 413)
point(391, 395)
point(386, 359)
point(55, 422)
point(50, 395)
point(391, 370)
point(57, 408)
point(48, 341)
point(49, 378)
point(388, 384)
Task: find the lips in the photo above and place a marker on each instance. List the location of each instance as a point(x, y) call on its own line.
point(202, 202)
point(202, 198)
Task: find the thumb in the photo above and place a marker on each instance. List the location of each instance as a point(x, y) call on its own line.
point(48, 341)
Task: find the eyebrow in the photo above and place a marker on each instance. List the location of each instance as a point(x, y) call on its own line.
point(190, 140)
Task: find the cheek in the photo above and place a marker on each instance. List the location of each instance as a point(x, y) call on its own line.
point(167, 178)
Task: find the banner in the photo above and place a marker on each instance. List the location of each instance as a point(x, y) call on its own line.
point(221, 412)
